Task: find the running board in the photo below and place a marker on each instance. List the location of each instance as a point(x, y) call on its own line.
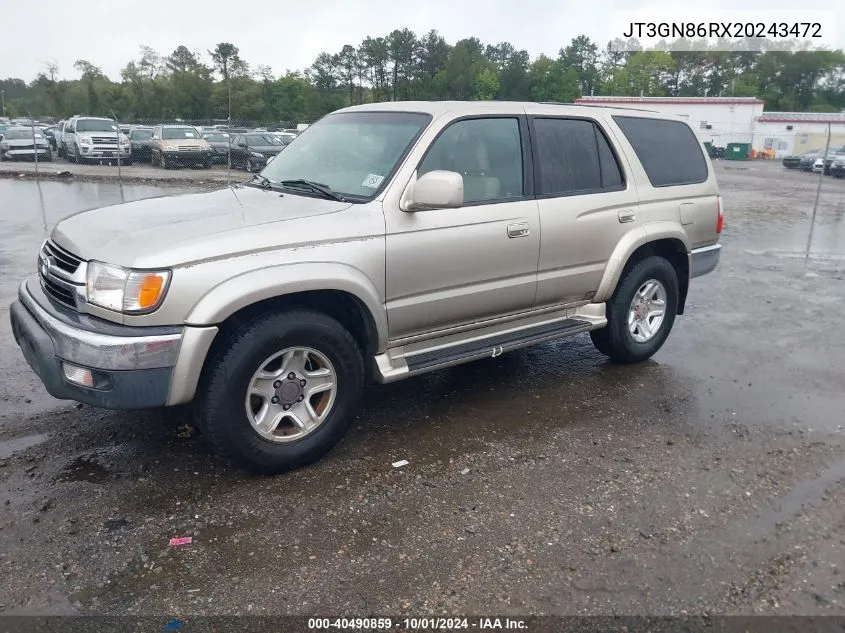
point(401, 362)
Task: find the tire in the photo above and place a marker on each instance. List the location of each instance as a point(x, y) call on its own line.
point(617, 340)
point(76, 158)
point(207, 164)
point(49, 157)
point(222, 395)
point(249, 169)
point(126, 163)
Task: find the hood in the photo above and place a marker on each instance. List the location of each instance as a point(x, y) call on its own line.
point(177, 230)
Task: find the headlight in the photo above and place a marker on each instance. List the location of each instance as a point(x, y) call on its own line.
point(124, 290)
point(257, 154)
point(85, 140)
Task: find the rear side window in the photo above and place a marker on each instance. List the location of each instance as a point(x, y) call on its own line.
point(668, 150)
point(573, 156)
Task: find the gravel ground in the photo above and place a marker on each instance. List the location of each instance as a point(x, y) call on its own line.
point(546, 481)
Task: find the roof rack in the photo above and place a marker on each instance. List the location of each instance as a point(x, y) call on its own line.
point(596, 105)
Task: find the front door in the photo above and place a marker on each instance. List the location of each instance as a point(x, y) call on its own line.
point(450, 267)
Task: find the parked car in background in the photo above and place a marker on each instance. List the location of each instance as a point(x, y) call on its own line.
point(284, 137)
point(837, 167)
point(139, 141)
point(90, 139)
point(832, 155)
point(808, 159)
point(50, 135)
point(219, 142)
point(18, 144)
point(61, 148)
point(818, 166)
point(3, 128)
point(250, 151)
point(791, 162)
point(179, 146)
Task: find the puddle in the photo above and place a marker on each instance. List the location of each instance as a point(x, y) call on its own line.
point(84, 469)
point(12, 446)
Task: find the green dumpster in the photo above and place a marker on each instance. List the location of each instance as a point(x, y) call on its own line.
point(708, 145)
point(738, 151)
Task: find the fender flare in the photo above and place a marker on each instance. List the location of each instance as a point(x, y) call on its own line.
point(248, 288)
point(628, 245)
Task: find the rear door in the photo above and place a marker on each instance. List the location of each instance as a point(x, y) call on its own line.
point(587, 202)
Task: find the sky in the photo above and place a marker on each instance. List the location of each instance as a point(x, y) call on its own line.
point(287, 35)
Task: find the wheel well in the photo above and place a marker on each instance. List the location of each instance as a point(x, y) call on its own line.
point(342, 306)
point(676, 253)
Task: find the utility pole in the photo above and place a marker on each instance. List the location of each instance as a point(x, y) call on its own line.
point(3, 100)
point(816, 203)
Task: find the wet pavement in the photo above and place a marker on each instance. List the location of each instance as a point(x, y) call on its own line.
point(708, 480)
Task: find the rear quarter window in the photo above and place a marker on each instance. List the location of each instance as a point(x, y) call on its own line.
point(668, 150)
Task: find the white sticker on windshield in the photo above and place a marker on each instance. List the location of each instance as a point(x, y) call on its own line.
point(372, 181)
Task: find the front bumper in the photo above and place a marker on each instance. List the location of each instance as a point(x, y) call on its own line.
point(103, 151)
point(132, 366)
point(704, 260)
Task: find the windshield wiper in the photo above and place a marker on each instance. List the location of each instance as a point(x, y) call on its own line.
point(314, 186)
point(263, 181)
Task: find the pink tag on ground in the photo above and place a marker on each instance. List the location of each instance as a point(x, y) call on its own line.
point(182, 540)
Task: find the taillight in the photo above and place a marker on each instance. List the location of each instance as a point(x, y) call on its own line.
point(720, 220)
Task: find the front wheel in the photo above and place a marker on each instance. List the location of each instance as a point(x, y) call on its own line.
point(640, 313)
point(280, 391)
point(249, 167)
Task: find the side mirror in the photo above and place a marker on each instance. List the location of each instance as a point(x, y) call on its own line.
point(437, 189)
point(241, 144)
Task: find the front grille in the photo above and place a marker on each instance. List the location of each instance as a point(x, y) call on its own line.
point(56, 268)
point(64, 260)
point(187, 148)
point(57, 292)
point(104, 141)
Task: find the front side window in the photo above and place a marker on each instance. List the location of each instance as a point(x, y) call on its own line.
point(486, 152)
point(140, 135)
point(353, 153)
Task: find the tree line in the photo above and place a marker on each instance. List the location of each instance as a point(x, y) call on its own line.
point(401, 65)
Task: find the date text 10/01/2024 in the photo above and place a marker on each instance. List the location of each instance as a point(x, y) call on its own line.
point(416, 623)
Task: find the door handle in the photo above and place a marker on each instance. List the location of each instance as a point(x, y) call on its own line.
point(627, 215)
point(519, 230)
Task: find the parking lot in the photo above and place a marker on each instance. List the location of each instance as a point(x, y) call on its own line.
point(708, 480)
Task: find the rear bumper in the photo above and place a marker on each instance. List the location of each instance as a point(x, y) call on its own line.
point(132, 367)
point(704, 260)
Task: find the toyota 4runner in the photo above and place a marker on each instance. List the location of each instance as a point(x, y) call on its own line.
point(386, 241)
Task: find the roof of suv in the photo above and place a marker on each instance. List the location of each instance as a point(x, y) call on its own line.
point(462, 108)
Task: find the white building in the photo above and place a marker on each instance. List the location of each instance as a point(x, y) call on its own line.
point(720, 120)
point(798, 132)
point(723, 120)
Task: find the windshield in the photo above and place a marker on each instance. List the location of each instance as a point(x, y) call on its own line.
point(95, 125)
point(12, 135)
point(262, 139)
point(216, 138)
point(179, 132)
point(140, 135)
point(351, 152)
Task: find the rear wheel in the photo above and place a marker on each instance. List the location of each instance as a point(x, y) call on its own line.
point(280, 391)
point(640, 313)
point(249, 166)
